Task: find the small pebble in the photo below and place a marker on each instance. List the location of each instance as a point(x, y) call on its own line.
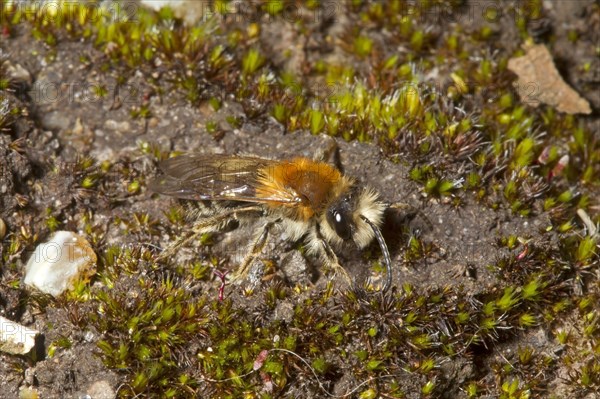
point(57, 264)
point(15, 338)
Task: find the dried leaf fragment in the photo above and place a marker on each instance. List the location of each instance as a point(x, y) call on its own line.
point(539, 81)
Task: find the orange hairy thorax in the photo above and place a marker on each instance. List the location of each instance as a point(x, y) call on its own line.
point(301, 184)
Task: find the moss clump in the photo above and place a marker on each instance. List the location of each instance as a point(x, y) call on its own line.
point(445, 107)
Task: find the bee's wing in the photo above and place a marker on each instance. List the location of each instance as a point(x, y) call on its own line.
point(217, 177)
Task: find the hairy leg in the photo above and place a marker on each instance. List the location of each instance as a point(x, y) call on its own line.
point(402, 205)
point(209, 223)
point(329, 257)
point(328, 153)
point(259, 244)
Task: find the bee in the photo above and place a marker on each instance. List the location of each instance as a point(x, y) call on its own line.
point(309, 199)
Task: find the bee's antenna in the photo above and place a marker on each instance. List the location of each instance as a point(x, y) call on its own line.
point(386, 254)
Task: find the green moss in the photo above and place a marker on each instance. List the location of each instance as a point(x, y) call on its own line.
point(458, 140)
point(252, 61)
point(363, 46)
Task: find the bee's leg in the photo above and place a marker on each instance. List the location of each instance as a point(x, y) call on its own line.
point(259, 244)
point(330, 258)
point(328, 153)
point(401, 205)
point(207, 224)
point(332, 262)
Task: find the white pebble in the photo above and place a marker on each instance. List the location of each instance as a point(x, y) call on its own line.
point(57, 264)
point(15, 338)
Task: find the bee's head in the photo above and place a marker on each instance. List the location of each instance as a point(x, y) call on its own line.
point(357, 215)
point(345, 217)
point(340, 218)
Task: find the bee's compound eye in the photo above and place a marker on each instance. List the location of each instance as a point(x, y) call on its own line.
point(340, 223)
